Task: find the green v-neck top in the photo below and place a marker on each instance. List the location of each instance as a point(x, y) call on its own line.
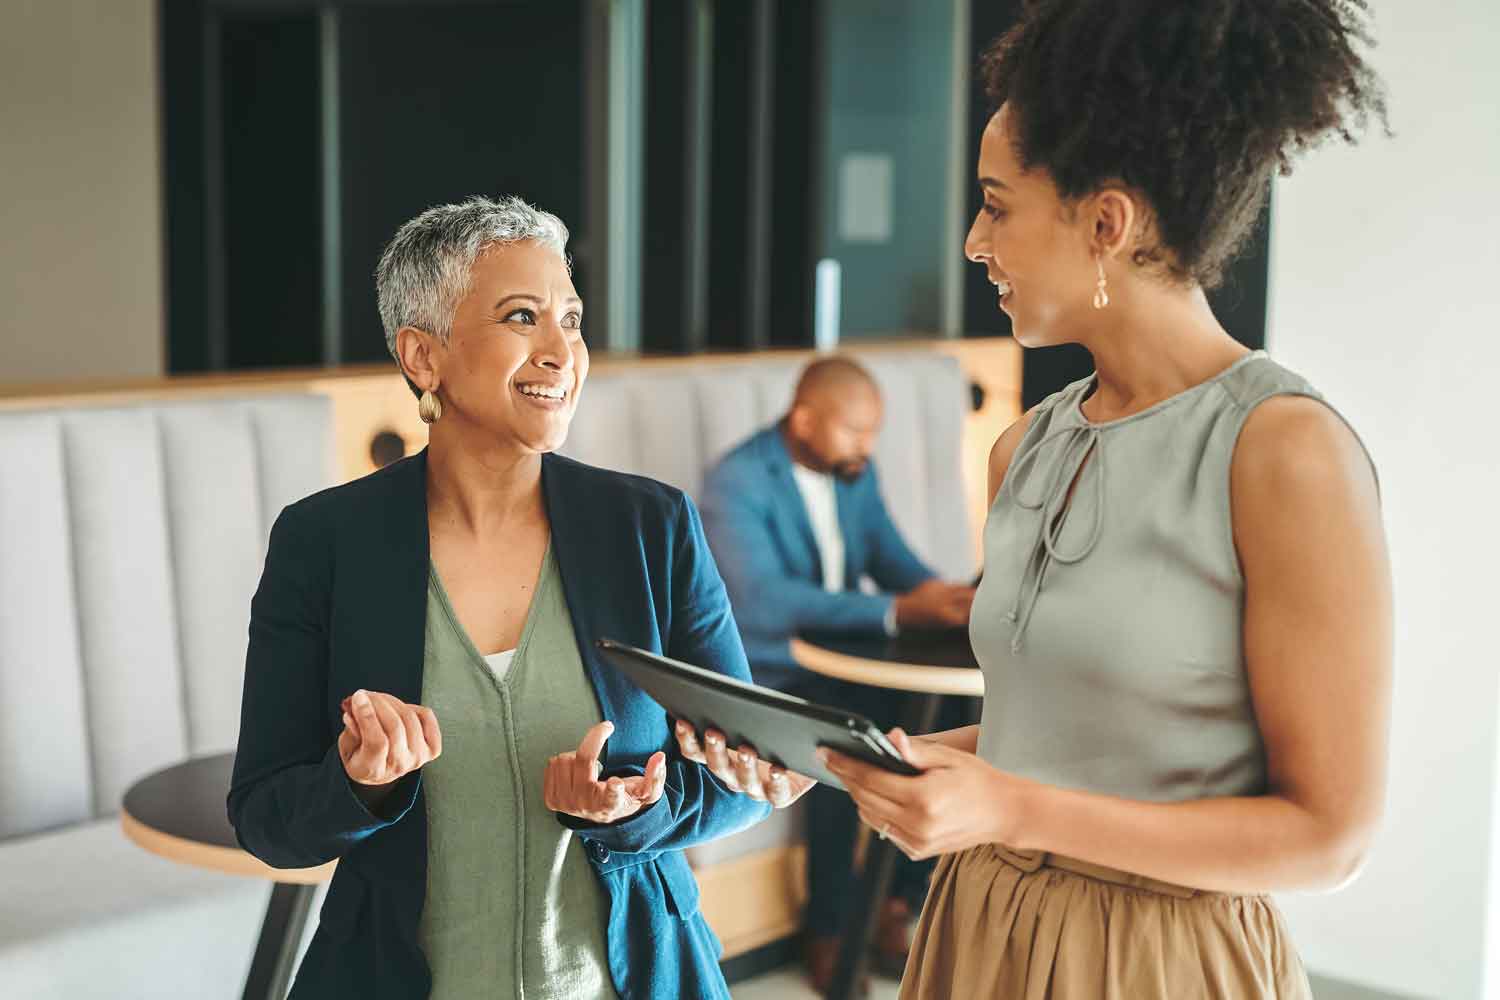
point(513, 908)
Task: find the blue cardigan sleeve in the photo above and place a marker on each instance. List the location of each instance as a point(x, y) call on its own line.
point(290, 801)
point(768, 599)
point(695, 807)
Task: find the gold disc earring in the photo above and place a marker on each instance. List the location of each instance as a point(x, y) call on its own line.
point(1101, 293)
point(429, 407)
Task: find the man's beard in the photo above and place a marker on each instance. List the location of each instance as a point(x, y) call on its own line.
point(849, 471)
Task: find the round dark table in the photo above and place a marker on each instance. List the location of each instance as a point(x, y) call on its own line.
point(928, 663)
point(179, 813)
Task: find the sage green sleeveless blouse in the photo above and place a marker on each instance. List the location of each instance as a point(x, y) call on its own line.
point(1110, 628)
point(513, 908)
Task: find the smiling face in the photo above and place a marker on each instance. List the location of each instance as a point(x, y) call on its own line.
point(515, 361)
point(1036, 250)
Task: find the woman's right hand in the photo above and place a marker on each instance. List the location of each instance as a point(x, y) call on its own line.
point(385, 739)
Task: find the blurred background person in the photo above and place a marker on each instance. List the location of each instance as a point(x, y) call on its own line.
point(796, 520)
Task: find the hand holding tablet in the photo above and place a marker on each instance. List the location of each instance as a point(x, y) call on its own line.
point(741, 769)
point(780, 730)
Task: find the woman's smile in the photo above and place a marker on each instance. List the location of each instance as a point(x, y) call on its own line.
point(545, 395)
point(1004, 288)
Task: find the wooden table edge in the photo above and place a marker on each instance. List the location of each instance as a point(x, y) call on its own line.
point(967, 681)
point(228, 860)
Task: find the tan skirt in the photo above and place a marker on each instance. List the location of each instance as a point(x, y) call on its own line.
point(1033, 926)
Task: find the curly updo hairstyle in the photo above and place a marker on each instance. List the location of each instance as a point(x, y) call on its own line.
point(1193, 103)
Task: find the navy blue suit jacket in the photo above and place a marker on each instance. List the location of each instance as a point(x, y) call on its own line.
point(764, 542)
point(342, 605)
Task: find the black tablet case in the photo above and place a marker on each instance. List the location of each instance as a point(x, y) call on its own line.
point(784, 729)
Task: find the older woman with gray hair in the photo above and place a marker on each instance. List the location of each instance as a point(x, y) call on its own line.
point(422, 698)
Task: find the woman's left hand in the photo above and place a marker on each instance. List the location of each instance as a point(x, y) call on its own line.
point(957, 801)
point(571, 784)
point(741, 770)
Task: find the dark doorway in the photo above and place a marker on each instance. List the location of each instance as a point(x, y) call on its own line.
point(299, 135)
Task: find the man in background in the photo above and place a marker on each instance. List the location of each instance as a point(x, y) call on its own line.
point(796, 522)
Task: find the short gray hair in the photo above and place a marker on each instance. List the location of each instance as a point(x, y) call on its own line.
point(426, 269)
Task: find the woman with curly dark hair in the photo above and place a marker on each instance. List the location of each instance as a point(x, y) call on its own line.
point(1185, 620)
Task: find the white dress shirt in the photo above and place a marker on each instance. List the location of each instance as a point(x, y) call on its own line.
point(822, 505)
point(821, 502)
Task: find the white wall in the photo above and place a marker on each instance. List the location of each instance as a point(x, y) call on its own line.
point(1385, 291)
point(80, 193)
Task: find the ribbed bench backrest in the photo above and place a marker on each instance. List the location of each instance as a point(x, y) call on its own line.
point(673, 423)
point(131, 541)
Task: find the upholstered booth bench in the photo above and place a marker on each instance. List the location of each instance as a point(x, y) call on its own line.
point(131, 539)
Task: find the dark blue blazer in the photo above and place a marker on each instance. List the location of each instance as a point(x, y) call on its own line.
point(342, 605)
point(764, 542)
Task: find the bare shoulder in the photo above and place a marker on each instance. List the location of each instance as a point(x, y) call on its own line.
point(1004, 449)
point(1298, 462)
point(1290, 440)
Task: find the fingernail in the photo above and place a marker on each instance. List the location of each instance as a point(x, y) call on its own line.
point(348, 719)
point(778, 777)
point(361, 699)
point(745, 758)
point(714, 740)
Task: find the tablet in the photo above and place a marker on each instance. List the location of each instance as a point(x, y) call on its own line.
point(784, 729)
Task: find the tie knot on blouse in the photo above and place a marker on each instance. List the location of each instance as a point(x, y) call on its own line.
point(1068, 449)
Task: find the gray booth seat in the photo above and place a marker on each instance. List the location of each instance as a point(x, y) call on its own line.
point(674, 423)
point(131, 540)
